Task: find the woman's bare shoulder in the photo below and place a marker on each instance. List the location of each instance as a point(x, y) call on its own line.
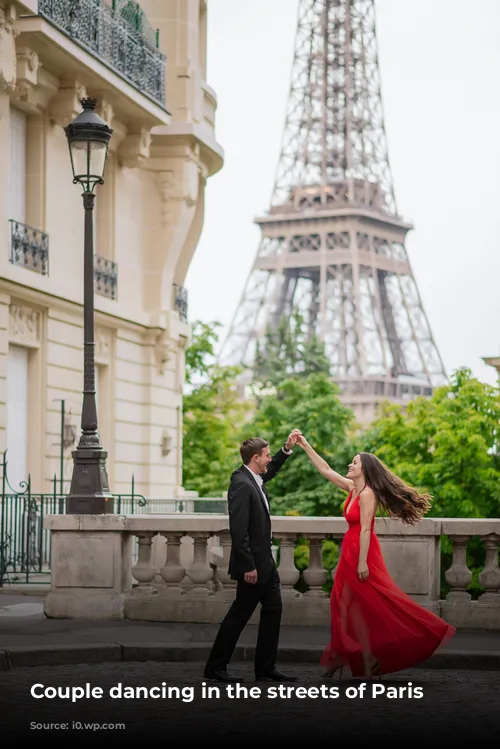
point(367, 496)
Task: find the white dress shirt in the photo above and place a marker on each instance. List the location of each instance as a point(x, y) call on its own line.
point(260, 481)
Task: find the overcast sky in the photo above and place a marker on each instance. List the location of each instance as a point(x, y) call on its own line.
point(440, 65)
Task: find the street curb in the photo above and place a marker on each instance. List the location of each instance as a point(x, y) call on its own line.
point(72, 655)
point(24, 656)
point(36, 592)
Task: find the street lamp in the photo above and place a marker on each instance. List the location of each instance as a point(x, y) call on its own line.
point(88, 139)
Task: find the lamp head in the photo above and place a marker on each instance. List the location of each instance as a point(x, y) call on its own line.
point(88, 139)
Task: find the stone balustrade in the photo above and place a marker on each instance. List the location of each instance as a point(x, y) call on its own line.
point(97, 574)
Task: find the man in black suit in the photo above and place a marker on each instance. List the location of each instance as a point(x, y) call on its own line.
point(252, 563)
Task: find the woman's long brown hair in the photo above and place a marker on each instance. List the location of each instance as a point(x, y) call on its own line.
point(397, 498)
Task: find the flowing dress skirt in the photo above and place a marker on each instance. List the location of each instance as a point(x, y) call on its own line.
point(375, 616)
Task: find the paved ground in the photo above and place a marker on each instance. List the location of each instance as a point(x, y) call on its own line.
point(456, 703)
point(28, 638)
point(455, 706)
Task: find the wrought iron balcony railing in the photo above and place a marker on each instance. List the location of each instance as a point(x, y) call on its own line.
point(181, 301)
point(105, 277)
point(118, 35)
point(29, 247)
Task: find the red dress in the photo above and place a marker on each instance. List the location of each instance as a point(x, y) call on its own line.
point(375, 616)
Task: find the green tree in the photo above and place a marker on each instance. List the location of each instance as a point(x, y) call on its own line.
point(212, 414)
point(313, 406)
point(288, 351)
point(447, 445)
point(200, 355)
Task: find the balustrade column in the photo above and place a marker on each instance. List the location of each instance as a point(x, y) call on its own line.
point(489, 578)
point(173, 572)
point(223, 577)
point(459, 575)
point(315, 575)
point(200, 572)
point(144, 571)
point(288, 572)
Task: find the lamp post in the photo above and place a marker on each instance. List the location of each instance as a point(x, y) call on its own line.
point(88, 139)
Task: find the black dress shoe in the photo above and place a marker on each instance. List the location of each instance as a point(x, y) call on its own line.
point(275, 675)
point(219, 674)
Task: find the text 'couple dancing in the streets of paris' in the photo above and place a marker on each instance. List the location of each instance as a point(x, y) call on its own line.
point(376, 628)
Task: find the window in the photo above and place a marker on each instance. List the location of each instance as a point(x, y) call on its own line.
point(17, 415)
point(17, 187)
point(102, 401)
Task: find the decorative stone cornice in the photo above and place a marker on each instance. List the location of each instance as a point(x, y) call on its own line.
point(8, 62)
point(66, 105)
point(28, 65)
point(167, 342)
point(165, 184)
point(103, 345)
point(195, 138)
point(24, 325)
point(105, 110)
point(165, 349)
point(35, 87)
point(172, 191)
point(135, 148)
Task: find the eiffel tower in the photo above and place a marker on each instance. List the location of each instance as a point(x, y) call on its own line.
point(333, 242)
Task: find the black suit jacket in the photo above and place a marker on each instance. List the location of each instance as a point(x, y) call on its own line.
point(250, 522)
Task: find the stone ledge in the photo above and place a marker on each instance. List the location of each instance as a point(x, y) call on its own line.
point(471, 614)
point(149, 651)
point(22, 656)
point(212, 523)
point(51, 655)
point(211, 609)
point(39, 590)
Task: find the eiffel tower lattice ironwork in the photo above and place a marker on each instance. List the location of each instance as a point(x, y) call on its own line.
point(333, 242)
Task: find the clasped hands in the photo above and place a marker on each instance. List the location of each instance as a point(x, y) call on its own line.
point(293, 438)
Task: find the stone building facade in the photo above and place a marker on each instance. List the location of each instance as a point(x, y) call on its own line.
point(146, 66)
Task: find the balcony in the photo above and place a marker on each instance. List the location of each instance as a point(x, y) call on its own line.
point(119, 36)
point(29, 248)
point(209, 106)
point(105, 277)
point(180, 302)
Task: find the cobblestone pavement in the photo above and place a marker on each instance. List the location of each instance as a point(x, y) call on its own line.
point(455, 705)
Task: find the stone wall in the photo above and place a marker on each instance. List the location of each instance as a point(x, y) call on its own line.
point(94, 575)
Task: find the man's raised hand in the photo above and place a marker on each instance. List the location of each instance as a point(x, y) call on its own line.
point(292, 438)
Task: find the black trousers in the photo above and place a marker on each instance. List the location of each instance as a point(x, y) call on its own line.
point(268, 594)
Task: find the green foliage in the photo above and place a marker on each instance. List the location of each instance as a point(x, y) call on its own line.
point(447, 445)
point(200, 355)
point(212, 415)
point(330, 556)
point(287, 352)
point(215, 421)
point(312, 405)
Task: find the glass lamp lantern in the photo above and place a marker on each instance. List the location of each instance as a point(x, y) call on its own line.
point(88, 139)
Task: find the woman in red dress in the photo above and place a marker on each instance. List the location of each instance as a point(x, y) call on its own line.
point(376, 628)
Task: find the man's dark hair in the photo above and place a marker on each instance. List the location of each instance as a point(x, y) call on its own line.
point(251, 447)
